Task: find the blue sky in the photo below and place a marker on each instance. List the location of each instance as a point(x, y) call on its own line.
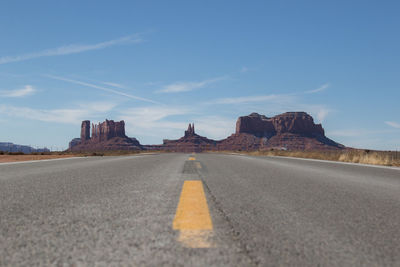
point(159, 65)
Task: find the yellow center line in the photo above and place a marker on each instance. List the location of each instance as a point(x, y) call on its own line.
point(192, 158)
point(192, 216)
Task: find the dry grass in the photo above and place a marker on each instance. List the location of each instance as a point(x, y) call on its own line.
point(386, 158)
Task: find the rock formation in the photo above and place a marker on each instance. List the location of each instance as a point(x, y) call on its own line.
point(288, 131)
point(255, 124)
point(190, 131)
point(108, 135)
point(106, 130)
point(297, 123)
point(74, 142)
point(190, 142)
point(85, 130)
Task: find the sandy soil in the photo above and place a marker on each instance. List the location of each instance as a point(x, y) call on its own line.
point(13, 158)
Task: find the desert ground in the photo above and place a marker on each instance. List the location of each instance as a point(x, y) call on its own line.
point(15, 158)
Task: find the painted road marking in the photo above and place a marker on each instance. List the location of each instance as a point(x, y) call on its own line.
point(192, 216)
point(192, 158)
point(198, 165)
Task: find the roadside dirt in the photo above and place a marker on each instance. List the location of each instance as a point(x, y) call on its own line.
point(14, 158)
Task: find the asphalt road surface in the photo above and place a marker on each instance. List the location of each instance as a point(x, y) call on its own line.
point(198, 210)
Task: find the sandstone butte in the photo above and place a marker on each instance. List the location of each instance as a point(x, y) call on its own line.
point(287, 131)
point(108, 135)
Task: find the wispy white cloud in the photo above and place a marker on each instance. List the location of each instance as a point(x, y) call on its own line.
point(319, 89)
point(27, 90)
point(165, 122)
point(155, 113)
point(66, 115)
point(282, 98)
point(359, 132)
point(109, 90)
point(154, 121)
point(117, 85)
point(97, 107)
point(189, 86)
point(250, 99)
point(273, 104)
point(393, 124)
point(322, 113)
point(71, 49)
point(214, 127)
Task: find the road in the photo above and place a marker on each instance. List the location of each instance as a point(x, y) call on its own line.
point(198, 210)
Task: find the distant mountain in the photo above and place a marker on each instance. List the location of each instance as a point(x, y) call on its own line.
point(10, 147)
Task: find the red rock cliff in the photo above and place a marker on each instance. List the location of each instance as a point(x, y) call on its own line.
point(106, 130)
point(297, 123)
point(255, 124)
point(85, 130)
point(290, 130)
point(289, 122)
point(108, 135)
